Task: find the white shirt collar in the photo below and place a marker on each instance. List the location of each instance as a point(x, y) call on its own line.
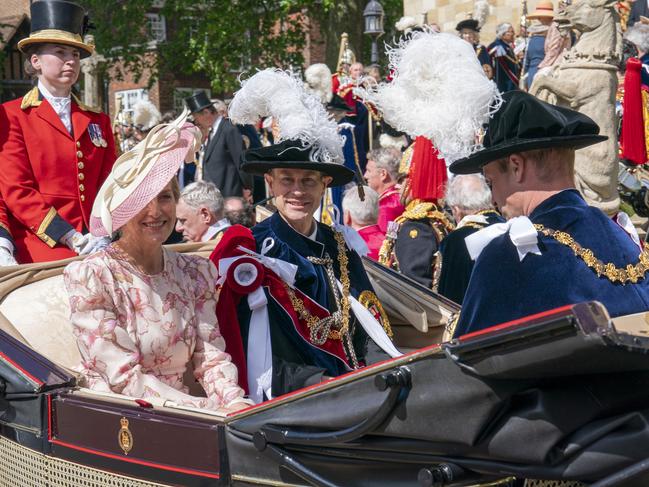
point(61, 105)
point(472, 219)
point(313, 234)
point(215, 228)
point(215, 125)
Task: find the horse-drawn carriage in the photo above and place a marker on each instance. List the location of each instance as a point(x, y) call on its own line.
point(563, 395)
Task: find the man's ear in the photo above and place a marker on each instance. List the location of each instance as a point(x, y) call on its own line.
point(327, 180)
point(517, 167)
point(347, 218)
point(205, 214)
point(268, 177)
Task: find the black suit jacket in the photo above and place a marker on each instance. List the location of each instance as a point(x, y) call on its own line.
point(222, 161)
point(639, 8)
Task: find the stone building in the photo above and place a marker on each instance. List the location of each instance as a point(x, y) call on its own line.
point(447, 13)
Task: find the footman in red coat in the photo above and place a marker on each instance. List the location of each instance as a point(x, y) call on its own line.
point(55, 152)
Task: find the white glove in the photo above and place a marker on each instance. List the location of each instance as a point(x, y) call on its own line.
point(6, 253)
point(84, 244)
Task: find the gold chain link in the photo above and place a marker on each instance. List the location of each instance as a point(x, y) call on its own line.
point(630, 273)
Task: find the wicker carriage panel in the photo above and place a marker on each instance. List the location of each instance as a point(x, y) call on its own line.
point(20, 466)
point(23, 467)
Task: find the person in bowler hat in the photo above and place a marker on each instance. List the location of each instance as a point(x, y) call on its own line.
point(222, 148)
point(554, 249)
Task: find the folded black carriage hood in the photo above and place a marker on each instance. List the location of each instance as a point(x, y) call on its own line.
point(563, 395)
point(24, 371)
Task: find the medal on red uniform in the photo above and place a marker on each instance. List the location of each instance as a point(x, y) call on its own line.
point(96, 135)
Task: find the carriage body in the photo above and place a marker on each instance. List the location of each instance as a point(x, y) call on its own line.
point(559, 396)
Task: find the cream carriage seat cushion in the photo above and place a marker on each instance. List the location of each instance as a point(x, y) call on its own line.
point(40, 311)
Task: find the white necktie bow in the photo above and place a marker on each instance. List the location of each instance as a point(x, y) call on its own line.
point(521, 232)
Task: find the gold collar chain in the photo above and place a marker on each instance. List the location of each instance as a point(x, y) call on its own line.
point(630, 273)
point(322, 329)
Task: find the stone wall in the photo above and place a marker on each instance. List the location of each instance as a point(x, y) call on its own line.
point(447, 13)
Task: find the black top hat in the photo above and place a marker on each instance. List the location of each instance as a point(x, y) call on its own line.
point(198, 101)
point(58, 22)
point(524, 123)
point(292, 154)
point(468, 24)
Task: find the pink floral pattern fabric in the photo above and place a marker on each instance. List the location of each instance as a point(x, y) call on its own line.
point(137, 332)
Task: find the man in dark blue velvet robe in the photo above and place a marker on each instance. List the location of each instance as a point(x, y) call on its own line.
point(322, 257)
point(296, 363)
point(469, 199)
point(507, 69)
point(554, 250)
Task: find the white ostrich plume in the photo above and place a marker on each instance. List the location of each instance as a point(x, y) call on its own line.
point(438, 91)
point(387, 141)
point(405, 24)
point(481, 10)
point(318, 80)
point(146, 115)
point(299, 114)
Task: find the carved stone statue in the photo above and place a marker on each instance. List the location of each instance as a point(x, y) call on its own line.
point(585, 80)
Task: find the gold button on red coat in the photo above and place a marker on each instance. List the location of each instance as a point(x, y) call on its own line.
point(82, 197)
point(78, 144)
point(81, 176)
point(80, 165)
point(79, 154)
point(82, 187)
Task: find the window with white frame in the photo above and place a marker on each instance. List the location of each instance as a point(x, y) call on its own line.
point(181, 93)
point(157, 27)
point(127, 99)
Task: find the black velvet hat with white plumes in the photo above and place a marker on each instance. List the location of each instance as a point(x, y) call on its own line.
point(524, 123)
point(308, 137)
point(292, 154)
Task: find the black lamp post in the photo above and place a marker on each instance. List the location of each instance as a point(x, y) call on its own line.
point(373, 15)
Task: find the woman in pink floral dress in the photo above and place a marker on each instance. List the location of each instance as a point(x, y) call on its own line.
point(141, 312)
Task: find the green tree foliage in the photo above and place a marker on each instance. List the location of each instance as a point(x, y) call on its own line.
point(223, 38)
point(347, 16)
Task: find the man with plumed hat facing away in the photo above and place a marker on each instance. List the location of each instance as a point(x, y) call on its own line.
point(554, 250)
point(320, 319)
point(412, 240)
point(222, 148)
point(55, 152)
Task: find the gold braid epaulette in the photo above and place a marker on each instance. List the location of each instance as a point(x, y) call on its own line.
point(631, 273)
point(416, 210)
point(420, 210)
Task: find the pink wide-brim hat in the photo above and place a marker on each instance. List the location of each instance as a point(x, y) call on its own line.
point(140, 174)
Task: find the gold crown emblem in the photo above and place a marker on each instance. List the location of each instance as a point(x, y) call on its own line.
point(124, 437)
